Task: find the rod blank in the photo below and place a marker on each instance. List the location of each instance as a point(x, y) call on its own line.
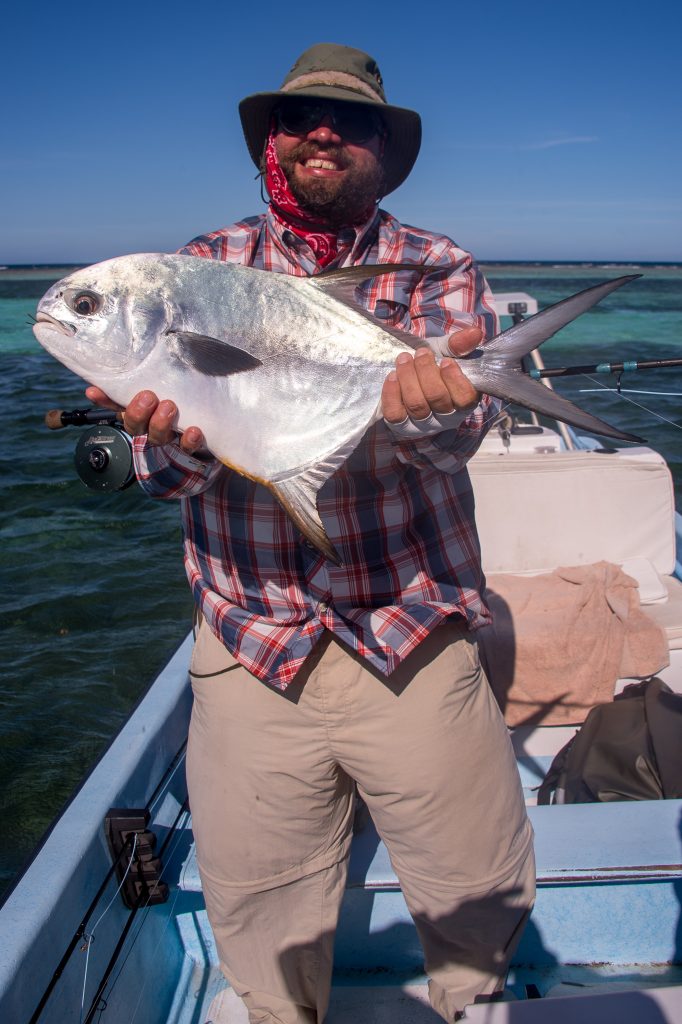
point(573, 371)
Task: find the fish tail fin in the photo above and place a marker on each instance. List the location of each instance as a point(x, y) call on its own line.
point(499, 370)
point(523, 337)
point(512, 385)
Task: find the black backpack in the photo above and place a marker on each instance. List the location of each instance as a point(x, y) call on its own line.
point(630, 749)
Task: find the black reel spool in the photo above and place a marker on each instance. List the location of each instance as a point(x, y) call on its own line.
point(104, 458)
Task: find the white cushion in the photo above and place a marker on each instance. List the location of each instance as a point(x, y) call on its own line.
point(538, 512)
point(652, 588)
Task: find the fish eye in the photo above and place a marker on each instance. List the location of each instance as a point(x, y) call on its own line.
point(86, 303)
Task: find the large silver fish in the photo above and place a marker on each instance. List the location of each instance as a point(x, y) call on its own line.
point(282, 374)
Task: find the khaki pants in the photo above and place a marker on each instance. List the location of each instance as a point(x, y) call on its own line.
point(272, 797)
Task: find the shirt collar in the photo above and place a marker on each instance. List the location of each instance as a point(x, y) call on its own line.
point(353, 241)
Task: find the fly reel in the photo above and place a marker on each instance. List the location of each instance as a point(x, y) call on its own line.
point(104, 454)
point(104, 458)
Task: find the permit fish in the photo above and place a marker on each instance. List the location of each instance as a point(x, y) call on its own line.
point(282, 374)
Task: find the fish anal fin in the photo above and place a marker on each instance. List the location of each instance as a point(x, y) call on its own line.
point(298, 495)
point(209, 356)
point(297, 498)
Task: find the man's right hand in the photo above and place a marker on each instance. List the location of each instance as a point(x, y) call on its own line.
point(145, 414)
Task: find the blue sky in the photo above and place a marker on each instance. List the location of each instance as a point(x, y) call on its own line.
point(551, 130)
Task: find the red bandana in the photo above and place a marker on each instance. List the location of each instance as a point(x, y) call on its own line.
point(287, 210)
point(285, 207)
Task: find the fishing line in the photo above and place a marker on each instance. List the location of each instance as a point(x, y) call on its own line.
point(163, 930)
point(629, 391)
point(89, 938)
point(143, 921)
point(603, 387)
point(177, 835)
point(164, 786)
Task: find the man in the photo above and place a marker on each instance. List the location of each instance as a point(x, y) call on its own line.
point(309, 677)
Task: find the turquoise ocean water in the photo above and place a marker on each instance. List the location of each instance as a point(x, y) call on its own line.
point(94, 598)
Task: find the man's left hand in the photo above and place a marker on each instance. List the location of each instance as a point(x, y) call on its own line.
point(419, 385)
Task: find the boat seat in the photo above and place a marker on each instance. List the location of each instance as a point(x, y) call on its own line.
point(537, 512)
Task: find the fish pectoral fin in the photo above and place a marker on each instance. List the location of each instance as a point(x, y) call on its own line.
point(210, 356)
point(297, 496)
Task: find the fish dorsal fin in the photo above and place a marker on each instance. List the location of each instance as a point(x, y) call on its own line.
point(210, 356)
point(342, 284)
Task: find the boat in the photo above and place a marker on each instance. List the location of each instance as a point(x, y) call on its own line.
point(108, 922)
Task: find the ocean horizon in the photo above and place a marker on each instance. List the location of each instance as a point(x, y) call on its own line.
point(491, 262)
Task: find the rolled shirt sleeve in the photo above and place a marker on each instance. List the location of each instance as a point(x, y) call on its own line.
point(166, 471)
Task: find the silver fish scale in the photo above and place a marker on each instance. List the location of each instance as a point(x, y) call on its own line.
point(323, 363)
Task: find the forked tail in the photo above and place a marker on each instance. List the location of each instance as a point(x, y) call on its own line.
point(499, 370)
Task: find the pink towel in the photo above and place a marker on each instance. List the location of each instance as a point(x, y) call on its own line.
point(560, 641)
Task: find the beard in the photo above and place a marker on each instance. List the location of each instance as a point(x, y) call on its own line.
point(336, 203)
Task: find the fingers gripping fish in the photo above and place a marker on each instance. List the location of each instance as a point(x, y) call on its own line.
point(282, 374)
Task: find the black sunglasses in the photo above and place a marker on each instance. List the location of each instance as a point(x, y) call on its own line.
point(352, 122)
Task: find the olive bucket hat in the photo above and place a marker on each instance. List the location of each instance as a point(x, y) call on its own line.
point(343, 74)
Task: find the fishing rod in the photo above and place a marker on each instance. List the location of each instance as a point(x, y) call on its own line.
point(103, 456)
point(620, 368)
point(55, 419)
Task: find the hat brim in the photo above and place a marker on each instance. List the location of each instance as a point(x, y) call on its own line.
point(403, 127)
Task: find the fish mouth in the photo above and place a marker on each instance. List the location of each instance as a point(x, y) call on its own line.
point(58, 325)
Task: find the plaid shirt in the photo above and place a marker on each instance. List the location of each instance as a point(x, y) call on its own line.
point(400, 514)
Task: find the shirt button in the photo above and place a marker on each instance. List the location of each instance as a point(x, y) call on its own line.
point(288, 237)
point(322, 607)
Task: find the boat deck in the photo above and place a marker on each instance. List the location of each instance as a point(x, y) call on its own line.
point(607, 923)
point(607, 915)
